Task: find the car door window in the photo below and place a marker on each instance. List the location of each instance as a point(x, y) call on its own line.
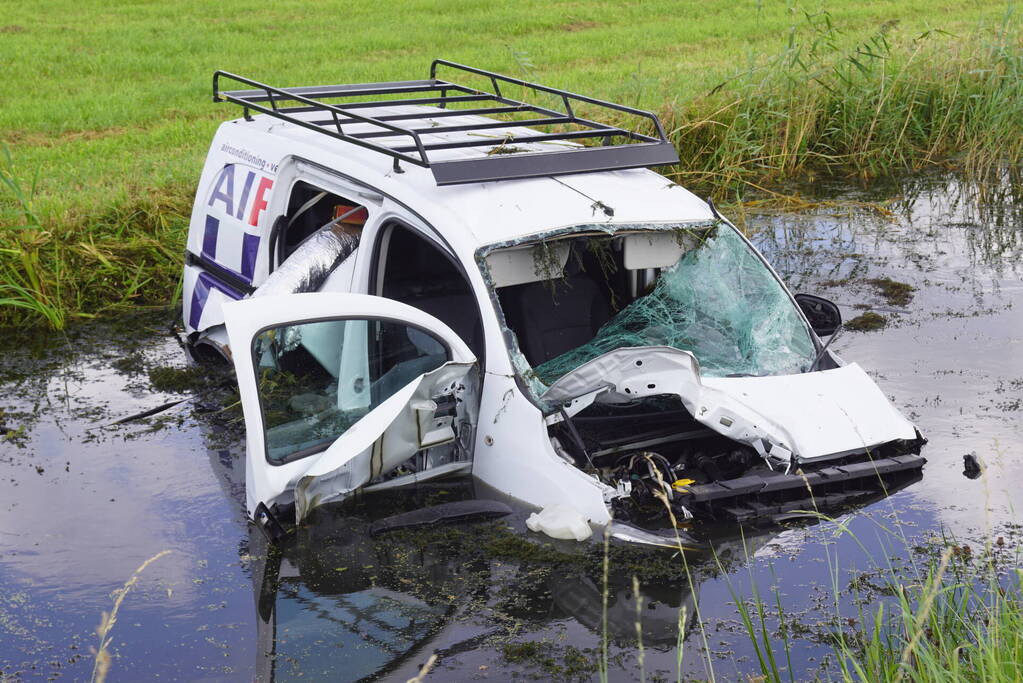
point(310, 209)
point(317, 379)
point(417, 273)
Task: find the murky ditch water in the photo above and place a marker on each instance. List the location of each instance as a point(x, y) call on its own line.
point(86, 502)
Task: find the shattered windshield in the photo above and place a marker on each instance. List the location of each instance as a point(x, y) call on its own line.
point(717, 300)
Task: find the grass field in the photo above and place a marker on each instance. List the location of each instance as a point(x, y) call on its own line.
point(107, 115)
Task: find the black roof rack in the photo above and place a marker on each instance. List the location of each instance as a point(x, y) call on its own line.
point(502, 162)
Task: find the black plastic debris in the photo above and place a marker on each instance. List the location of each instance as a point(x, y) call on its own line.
point(776, 495)
point(458, 511)
point(148, 413)
point(972, 468)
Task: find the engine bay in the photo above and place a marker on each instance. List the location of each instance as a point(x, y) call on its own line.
point(666, 467)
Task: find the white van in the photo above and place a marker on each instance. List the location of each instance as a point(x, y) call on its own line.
point(422, 279)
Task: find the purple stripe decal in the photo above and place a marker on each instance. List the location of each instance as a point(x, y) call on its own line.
point(201, 293)
point(245, 195)
point(209, 238)
point(250, 249)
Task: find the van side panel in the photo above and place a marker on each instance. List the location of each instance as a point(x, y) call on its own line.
point(228, 237)
point(205, 295)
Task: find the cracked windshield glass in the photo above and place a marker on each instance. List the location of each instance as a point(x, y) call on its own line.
point(694, 288)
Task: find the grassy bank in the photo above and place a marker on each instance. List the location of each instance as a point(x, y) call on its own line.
point(107, 113)
point(958, 628)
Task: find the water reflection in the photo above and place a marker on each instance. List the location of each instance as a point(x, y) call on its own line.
point(323, 614)
point(989, 212)
point(336, 601)
point(952, 358)
point(340, 602)
point(905, 225)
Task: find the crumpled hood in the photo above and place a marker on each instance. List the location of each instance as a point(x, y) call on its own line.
point(825, 413)
point(790, 417)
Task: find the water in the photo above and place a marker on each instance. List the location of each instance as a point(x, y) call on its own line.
point(86, 503)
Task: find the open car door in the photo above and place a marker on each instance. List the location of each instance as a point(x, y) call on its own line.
point(339, 390)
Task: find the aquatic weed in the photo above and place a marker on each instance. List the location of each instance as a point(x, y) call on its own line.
point(565, 663)
point(897, 293)
point(866, 322)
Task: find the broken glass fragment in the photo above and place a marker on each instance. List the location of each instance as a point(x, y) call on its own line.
point(720, 302)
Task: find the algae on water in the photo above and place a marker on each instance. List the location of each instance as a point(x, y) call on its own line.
point(866, 322)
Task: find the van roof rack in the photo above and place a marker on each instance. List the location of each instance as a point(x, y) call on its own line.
point(502, 162)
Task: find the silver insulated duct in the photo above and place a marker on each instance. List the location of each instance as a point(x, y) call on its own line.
point(311, 263)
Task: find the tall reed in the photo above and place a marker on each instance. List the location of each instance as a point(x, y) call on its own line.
point(56, 268)
point(102, 658)
point(956, 617)
point(888, 104)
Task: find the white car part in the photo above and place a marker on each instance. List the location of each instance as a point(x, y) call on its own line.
point(528, 263)
point(382, 439)
point(825, 414)
point(561, 522)
point(386, 437)
point(652, 250)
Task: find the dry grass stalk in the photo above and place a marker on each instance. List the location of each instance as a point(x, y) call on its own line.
point(101, 665)
point(421, 676)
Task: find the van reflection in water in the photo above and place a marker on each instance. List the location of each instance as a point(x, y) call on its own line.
point(351, 595)
point(341, 600)
point(324, 612)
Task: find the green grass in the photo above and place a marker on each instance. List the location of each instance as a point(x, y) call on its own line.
point(967, 628)
point(53, 269)
point(108, 100)
point(107, 113)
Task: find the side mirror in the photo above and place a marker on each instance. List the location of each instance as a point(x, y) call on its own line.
point(824, 316)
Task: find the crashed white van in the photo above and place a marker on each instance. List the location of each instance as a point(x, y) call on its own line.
point(422, 279)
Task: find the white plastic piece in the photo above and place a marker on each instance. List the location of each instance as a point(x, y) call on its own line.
point(652, 250)
point(560, 521)
point(520, 265)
